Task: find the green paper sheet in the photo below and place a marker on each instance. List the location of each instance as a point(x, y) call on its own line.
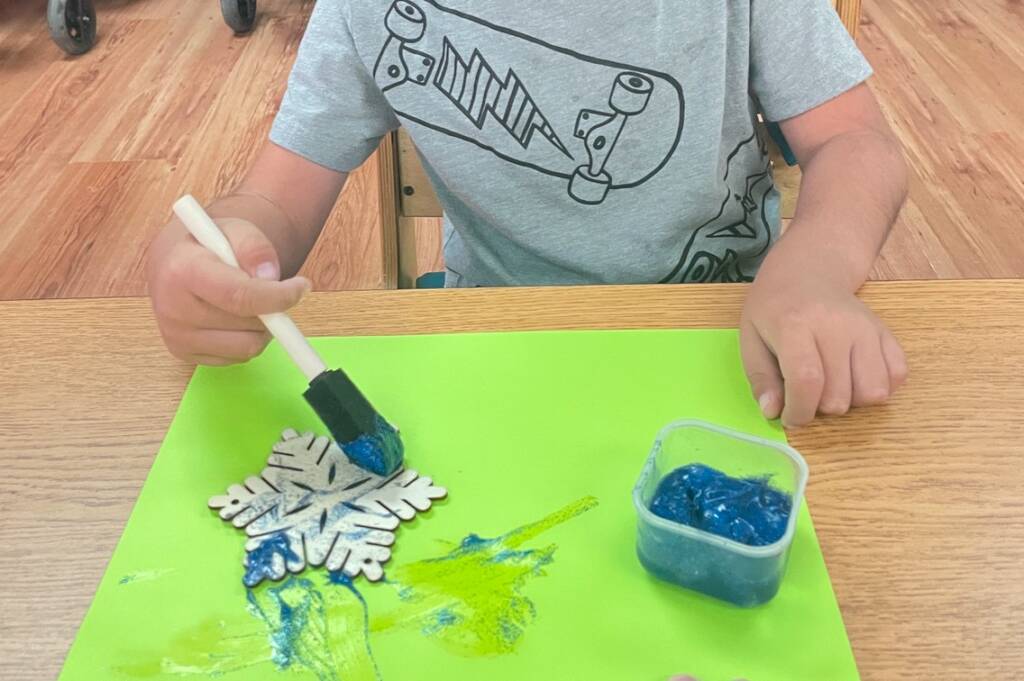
point(539, 438)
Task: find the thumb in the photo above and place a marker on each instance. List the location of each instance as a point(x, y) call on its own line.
point(256, 255)
point(762, 371)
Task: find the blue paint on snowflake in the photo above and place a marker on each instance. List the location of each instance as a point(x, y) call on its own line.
point(259, 562)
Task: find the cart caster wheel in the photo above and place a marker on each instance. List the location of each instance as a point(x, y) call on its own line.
point(240, 15)
point(72, 24)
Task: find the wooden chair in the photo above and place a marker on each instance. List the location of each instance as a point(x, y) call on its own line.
point(410, 210)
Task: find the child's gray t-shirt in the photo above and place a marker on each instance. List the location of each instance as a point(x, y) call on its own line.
point(574, 142)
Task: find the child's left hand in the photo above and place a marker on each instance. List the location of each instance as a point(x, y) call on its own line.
point(810, 346)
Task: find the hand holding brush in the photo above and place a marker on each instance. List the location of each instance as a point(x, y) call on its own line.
point(362, 433)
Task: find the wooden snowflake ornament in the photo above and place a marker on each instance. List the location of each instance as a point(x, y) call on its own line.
point(312, 506)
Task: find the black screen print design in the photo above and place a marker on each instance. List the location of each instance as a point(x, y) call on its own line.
point(599, 124)
point(725, 248)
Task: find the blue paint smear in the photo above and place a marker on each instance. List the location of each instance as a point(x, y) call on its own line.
point(259, 562)
point(290, 621)
point(749, 510)
point(474, 543)
point(440, 619)
point(380, 452)
point(357, 534)
point(298, 614)
point(298, 620)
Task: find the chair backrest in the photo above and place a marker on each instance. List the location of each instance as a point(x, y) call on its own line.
point(406, 193)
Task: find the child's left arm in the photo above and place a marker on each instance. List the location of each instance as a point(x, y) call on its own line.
point(809, 345)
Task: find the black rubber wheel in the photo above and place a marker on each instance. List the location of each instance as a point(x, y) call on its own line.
point(72, 24)
point(240, 15)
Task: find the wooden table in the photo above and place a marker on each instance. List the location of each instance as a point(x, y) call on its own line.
point(919, 504)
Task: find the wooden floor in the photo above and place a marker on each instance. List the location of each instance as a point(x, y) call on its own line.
point(93, 150)
point(950, 76)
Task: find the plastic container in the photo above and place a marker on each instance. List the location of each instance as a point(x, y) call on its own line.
point(708, 563)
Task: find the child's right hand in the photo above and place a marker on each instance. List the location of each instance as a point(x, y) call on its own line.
point(206, 310)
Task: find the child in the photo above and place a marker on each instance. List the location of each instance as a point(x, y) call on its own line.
point(580, 142)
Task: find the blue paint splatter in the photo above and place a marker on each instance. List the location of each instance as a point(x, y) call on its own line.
point(380, 451)
point(439, 619)
point(339, 578)
point(315, 629)
point(748, 510)
point(259, 562)
point(296, 618)
point(143, 576)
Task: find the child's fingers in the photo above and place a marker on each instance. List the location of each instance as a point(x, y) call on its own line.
point(208, 360)
point(895, 360)
point(253, 250)
point(206, 316)
point(803, 374)
point(234, 291)
point(762, 371)
point(232, 346)
point(870, 373)
point(837, 395)
point(185, 309)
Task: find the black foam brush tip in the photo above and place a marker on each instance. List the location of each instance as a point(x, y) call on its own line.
point(362, 433)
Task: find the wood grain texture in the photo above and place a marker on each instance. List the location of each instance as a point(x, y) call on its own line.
point(388, 190)
point(350, 251)
point(420, 252)
point(917, 503)
point(849, 12)
point(950, 77)
point(417, 195)
point(94, 149)
point(429, 242)
point(408, 249)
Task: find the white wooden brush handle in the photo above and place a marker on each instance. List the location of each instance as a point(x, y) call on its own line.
point(280, 325)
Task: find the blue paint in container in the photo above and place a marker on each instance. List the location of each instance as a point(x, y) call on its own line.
point(749, 510)
point(717, 511)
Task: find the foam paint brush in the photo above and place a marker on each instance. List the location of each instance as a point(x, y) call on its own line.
point(362, 433)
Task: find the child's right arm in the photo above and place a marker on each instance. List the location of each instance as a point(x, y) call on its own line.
point(207, 310)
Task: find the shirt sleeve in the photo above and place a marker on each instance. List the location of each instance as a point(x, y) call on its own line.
point(332, 113)
point(801, 56)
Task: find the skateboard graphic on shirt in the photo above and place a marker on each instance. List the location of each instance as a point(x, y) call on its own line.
point(596, 124)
